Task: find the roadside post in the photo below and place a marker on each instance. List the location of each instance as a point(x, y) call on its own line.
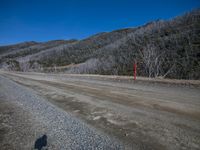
point(135, 69)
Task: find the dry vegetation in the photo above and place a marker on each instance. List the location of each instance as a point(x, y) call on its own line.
point(165, 49)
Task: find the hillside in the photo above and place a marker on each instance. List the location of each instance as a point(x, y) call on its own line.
point(168, 49)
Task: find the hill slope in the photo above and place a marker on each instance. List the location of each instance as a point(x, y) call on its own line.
point(160, 48)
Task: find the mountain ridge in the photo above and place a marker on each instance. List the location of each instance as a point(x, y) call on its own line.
point(161, 48)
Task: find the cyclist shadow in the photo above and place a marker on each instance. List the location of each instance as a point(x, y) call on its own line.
point(41, 143)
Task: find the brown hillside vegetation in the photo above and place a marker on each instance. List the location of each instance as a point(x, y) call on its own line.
point(166, 49)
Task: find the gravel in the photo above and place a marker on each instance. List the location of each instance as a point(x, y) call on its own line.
point(64, 131)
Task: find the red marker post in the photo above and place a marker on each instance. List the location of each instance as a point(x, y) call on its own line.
point(135, 70)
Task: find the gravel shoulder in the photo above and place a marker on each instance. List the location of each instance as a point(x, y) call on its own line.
point(18, 128)
point(25, 112)
point(140, 114)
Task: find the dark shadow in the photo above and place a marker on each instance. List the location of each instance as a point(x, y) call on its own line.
point(41, 142)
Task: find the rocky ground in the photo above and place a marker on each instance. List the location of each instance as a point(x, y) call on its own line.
point(25, 117)
point(99, 112)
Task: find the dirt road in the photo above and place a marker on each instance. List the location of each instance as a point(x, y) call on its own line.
point(140, 114)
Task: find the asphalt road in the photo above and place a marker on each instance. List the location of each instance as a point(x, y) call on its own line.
point(97, 112)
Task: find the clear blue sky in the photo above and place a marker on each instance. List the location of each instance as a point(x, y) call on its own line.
point(43, 20)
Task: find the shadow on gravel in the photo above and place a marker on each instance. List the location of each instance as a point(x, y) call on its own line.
point(41, 143)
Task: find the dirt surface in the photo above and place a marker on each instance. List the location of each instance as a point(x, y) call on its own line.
point(18, 128)
point(141, 114)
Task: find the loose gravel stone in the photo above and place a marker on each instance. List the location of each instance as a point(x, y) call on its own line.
point(64, 131)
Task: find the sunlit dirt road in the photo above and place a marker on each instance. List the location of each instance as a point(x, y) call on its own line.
point(141, 114)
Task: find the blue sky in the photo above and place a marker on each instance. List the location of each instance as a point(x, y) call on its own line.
point(43, 20)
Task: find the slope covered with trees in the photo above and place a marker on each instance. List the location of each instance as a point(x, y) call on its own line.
point(161, 49)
